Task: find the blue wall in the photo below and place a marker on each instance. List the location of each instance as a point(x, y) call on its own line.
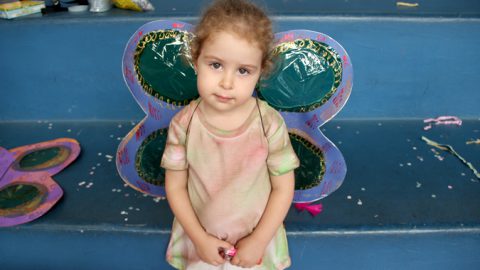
point(403, 67)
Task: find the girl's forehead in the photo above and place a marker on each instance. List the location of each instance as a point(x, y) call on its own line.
point(222, 35)
point(230, 46)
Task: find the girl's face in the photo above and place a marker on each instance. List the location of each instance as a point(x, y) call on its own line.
point(228, 68)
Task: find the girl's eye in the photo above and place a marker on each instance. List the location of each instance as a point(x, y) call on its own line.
point(216, 65)
point(243, 71)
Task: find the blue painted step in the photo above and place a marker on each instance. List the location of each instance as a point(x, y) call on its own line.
point(399, 205)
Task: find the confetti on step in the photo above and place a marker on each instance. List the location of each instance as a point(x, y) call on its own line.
point(359, 202)
point(448, 148)
point(349, 197)
point(419, 185)
point(407, 4)
point(442, 120)
point(434, 196)
point(81, 183)
point(477, 141)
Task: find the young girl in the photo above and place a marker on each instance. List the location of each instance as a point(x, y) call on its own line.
point(228, 158)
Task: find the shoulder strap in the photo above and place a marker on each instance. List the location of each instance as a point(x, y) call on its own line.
point(261, 118)
point(189, 123)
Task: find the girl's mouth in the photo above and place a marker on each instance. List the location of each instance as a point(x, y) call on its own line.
point(222, 98)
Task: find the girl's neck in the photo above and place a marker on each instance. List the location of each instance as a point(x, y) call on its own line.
point(229, 120)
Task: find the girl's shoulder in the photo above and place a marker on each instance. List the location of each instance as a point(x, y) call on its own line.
point(183, 117)
point(271, 118)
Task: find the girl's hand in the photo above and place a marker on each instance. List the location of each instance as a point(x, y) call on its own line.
point(249, 252)
point(208, 249)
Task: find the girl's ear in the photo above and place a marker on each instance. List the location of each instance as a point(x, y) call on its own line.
point(195, 66)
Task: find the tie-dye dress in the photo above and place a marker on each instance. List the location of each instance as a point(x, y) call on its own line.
point(228, 179)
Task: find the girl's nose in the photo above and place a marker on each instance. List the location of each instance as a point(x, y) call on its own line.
point(227, 81)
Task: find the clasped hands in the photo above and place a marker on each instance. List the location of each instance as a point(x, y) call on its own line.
point(249, 251)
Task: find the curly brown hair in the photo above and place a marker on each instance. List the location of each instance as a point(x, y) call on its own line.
point(241, 17)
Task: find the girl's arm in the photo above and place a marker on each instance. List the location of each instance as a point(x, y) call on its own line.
point(250, 249)
point(206, 245)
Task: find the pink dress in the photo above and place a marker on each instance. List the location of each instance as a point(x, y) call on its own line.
point(228, 179)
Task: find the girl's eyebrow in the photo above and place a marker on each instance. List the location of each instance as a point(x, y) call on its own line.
point(212, 57)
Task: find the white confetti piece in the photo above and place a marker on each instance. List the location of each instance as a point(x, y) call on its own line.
point(375, 216)
point(89, 185)
point(99, 153)
point(124, 213)
point(449, 187)
point(91, 173)
point(119, 138)
point(349, 197)
point(363, 189)
point(401, 164)
point(98, 164)
point(420, 158)
point(339, 142)
point(379, 124)
point(109, 156)
point(157, 199)
point(137, 209)
point(93, 168)
point(69, 130)
point(409, 164)
point(81, 183)
point(414, 148)
point(119, 126)
point(127, 195)
point(462, 174)
point(130, 208)
point(419, 184)
point(125, 185)
point(434, 196)
point(126, 219)
point(111, 135)
point(359, 202)
point(339, 127)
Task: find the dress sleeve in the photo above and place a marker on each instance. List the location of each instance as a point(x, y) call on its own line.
point(175, 155)
point(281, 156)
